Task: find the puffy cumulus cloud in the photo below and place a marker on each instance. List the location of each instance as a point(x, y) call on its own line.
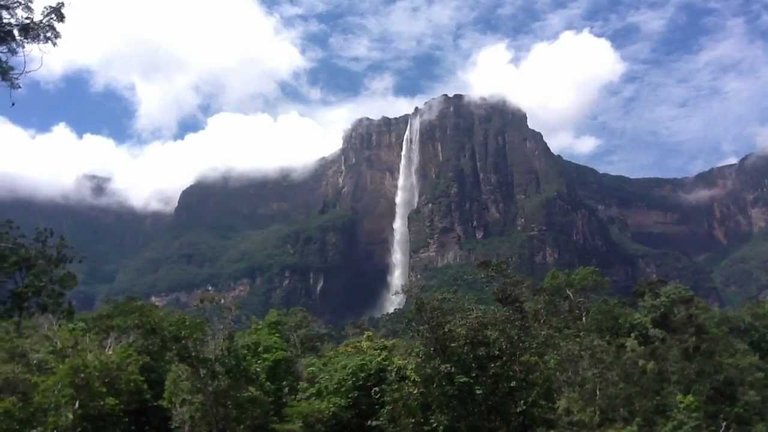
point(50, 165)
point(175, 57)
point(557, 83)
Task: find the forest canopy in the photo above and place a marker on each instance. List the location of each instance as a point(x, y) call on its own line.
point(554, 355)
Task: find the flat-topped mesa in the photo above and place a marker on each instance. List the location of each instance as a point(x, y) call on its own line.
point(481, 155)
point(489, 188)
point(483, 174)
point(476, 153)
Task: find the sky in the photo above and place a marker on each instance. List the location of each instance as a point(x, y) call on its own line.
point(155, 94)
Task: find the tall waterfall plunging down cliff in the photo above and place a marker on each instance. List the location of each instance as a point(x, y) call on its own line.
point(406, 199)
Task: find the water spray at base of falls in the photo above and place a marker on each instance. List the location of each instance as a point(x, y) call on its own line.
point(406, 199)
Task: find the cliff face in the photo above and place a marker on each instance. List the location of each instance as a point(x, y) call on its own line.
point(490, 188)
point(363, 181)
point(688, 228)
point(696, 216)
point(318, 239)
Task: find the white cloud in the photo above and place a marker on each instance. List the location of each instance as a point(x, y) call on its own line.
point(49, 165)
point(566, 140)
point(557, 83)
point(150, 175)
point(174, 57)
point(396, 32)
point(703, 105)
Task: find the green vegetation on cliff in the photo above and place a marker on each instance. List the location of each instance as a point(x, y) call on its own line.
point(265, 259)
point(743, 275)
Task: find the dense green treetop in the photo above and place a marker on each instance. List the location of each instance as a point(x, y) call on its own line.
point(557, 355)
point(34, 273)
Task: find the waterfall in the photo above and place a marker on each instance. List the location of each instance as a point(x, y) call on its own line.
point(320, 284)
point(406, 198)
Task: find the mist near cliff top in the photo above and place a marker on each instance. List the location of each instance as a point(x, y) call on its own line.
point(149, 175)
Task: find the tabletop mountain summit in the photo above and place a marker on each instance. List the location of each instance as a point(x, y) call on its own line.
point(485, 187)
